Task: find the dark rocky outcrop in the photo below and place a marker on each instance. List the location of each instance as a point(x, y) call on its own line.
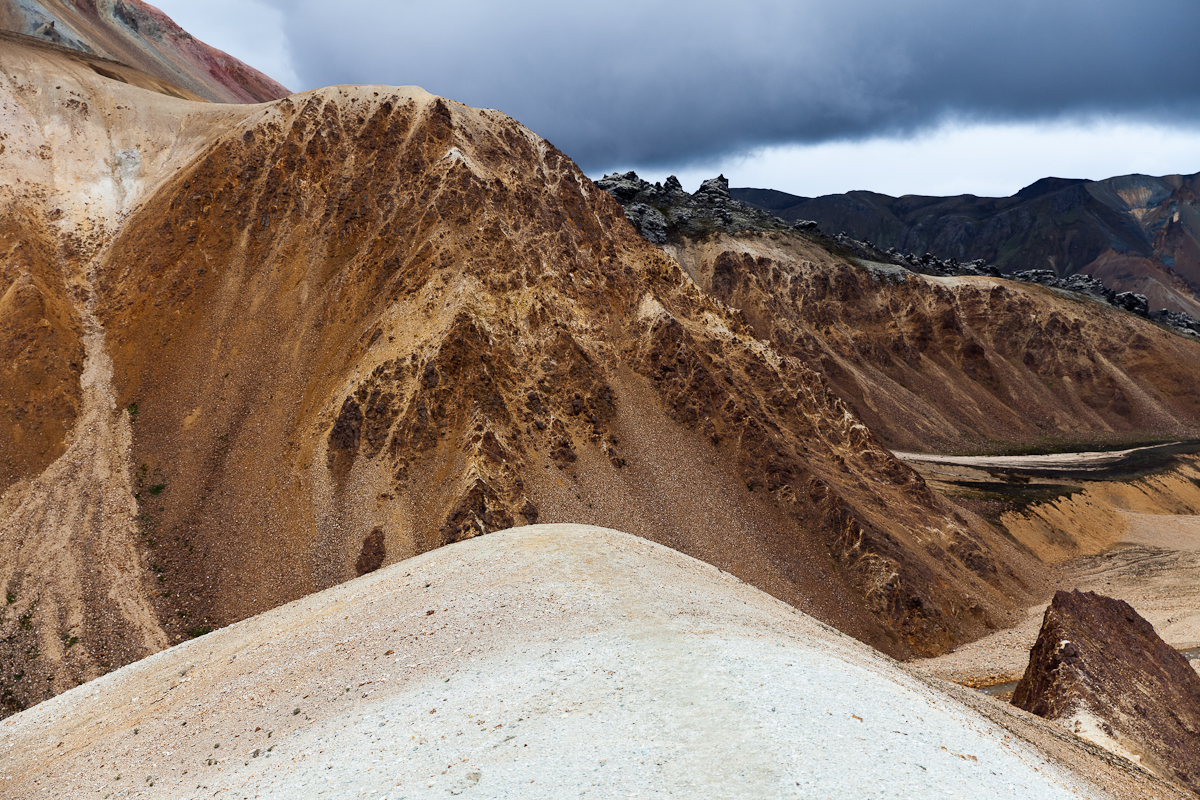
point(1176, 319)
point(664, 211)
point(374, 551)
point(1096, 657)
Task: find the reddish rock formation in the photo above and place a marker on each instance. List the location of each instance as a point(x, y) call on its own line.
point(1100, 668)
point(138, 34)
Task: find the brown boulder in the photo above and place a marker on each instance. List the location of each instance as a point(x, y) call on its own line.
point(1100, 668)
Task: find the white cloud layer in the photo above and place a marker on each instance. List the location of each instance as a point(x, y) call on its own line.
point(988, 160)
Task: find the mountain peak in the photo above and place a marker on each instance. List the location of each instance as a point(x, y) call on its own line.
point(1046, 186)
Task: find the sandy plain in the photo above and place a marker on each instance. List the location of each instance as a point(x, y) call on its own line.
point(1136, 539)
point(1156, 569)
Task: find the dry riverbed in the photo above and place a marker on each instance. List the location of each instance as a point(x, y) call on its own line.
point(1136, 538)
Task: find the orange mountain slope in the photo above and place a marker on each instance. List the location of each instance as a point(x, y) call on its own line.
point(961, 363)
point(357, 324)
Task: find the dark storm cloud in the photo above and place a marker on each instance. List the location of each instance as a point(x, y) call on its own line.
point(664, 83)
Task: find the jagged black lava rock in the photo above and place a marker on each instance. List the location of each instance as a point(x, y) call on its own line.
point(661, 211)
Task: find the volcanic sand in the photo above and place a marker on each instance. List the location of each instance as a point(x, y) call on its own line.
point(545, 661)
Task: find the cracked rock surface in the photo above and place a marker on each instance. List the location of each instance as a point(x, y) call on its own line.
point(1098, 668)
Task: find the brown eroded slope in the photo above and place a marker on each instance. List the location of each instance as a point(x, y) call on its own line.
point(77, 151)
point(1097, 518)
point(956, 364)
point(72, 161)
point(1099, 667)
point(41, 347)
point(368, 322)
point(41, 352)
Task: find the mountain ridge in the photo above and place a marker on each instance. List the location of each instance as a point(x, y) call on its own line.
point(1137, 233)
point(265, 349)
point(141, 36)
point(890, 339)
point(330, 332)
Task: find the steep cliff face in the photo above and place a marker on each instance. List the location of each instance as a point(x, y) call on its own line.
point(960, 363)
point(1137, 233)
point(373, 319)
point(139, 35)
point(1100, 669)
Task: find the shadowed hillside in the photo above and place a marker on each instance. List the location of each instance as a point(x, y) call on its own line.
point(1136, 232)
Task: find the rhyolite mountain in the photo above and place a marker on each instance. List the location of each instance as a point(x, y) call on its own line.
point(1136, 233)
point(257, 350)
point(251, 352)
point(930, 363)
point(135, 34)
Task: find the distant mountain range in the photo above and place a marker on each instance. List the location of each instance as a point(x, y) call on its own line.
point(1136, 232)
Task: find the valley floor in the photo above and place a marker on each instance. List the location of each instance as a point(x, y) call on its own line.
point(1155, 568)
point(1089, 461)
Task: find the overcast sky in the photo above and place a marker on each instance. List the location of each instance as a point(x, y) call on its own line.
point(897, 96)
